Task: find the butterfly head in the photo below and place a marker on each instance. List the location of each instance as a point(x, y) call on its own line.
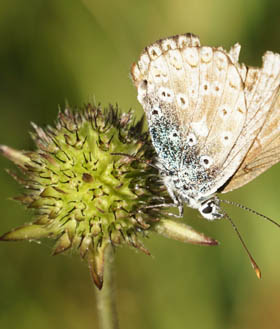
point(210, 209)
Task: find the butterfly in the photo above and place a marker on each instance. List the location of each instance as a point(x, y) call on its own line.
point(214, 123)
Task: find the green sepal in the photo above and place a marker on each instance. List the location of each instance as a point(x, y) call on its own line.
point(62, 244)
point(95, 260)
point(26, 232)
point(182, 232)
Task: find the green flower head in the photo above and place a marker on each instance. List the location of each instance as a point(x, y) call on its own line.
point(92, 182)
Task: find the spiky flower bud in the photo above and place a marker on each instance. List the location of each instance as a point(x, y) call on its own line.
point(91, 184)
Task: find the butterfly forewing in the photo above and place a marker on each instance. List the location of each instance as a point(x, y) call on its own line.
point(197, 90)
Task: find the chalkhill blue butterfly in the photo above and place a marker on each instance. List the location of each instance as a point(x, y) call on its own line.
point(214, 123)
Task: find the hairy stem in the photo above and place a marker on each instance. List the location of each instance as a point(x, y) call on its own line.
point(106, 304)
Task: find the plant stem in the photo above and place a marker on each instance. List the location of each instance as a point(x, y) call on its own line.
point(106, 304)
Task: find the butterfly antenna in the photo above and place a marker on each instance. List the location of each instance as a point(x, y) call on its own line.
point(135, 158)
point(253, 262)
point(251, 210)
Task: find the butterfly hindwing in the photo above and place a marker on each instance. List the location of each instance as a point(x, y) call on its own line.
point(264, 152)
point(261, 133)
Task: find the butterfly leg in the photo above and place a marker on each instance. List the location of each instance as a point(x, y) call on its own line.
point(162, 205)
point(169, 205)
point(169, 183)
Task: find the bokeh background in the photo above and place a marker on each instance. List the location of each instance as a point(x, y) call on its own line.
point(78, 51)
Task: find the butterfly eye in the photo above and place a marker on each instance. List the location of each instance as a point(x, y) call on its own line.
point(210, 210)
point(205, 161)
point(207, 209)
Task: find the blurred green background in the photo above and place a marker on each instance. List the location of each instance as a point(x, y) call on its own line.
point(78, 51)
